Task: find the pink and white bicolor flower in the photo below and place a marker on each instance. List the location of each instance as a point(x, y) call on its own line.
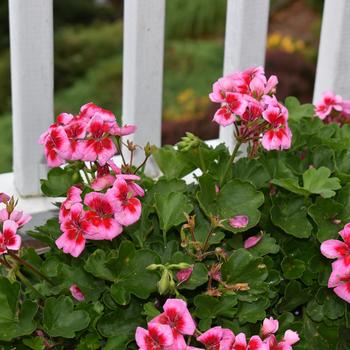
point(340, 279)
point(179, 319)
point(127, 208)
point(270, 326)
point(9, 239)
point(101, 217)
point(73, 197)
point(335, 249)
point(90, 110)
point(17, 216)
point(75, 228)
point(329, 101)
point(255, 343)
point(99, 146)
point(217, 338)
point(156, 337)
point(57, 145)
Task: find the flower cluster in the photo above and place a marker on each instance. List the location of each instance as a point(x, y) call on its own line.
point(167, 331)
point(98, 208)
point(100, 215)
point(333, 109)
point(10, 221)
point(87, 136)
point(340, 276)
point(248, 101)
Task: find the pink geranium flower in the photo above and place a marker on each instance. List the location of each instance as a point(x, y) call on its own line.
point(73, 197)
point(220, 88)
point(101, 216)
point(335, 249)
point(289, 339)
point(126, 206)
point(9, 240)
point(99, 146)
point(75, 228)
point(178, 318)
point(18, 217)
point(217, 338)
point(123, 131)
point(239, 221)
point(76, 132)
point(90, 110)
point(77, 293)
point(327, 104)
point(255, 343)
point(156, 337)
point(340, 279)
point(57, 145)
point(277, 139)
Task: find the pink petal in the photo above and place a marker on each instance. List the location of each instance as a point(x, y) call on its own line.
point(211, 337)
point(291, 337)
point(129, 213)
point(141, 336)
point(69, 246)
point(4, 215)
point(177, 309)
point(345, 234)
point(343, 291)
point(77, 293)
point(252, 241)
point(102, 182)
point(333, 249)
point(340, 272)
point(4, 198)
point(162, 334)
point(184, 274)
point(124, 130)
point(240, 341)
point(270, 326)
point(239, 221)
point(255, 343)
point(224, 117)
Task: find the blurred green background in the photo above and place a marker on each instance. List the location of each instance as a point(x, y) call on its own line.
point(88, 56)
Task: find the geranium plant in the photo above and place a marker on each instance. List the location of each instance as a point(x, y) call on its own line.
point(235, 257)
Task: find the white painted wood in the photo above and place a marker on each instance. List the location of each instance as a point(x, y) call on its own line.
point(30, 205)
point(245, 41)
point(143, 69)
point(333, 66)
point(31, 40)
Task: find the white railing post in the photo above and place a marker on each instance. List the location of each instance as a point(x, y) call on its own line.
point(245, 41)
point(31, 39)
point(143, 69)
point(333, 66)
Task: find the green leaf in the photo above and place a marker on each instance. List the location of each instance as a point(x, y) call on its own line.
point(243, 267)
point(171, 209)
point(296, 110)
point(61, 319)
point(294, 296)
point(323, 212)
point(315, 310)
point(47, 233)
point(208, 307)
point(35, 343)
point(97, 265)
point(290, 214)
point(318, 181)
point(15, 320)
point(172, 163)
point(251, 170)
point(118, 342)
point(58, 181)
point(290, 185)
point(254, 311)
point(122, 322)
point(132, 277)
point(267, 245)
point(90, 342)
point(292, 268)
point(235, 198)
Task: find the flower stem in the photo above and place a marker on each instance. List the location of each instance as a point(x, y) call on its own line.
point(30, 267)
point(27, 283)
point(231, 160)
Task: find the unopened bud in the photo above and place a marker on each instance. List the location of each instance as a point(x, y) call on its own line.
point(154, 267)
point(149, 149)
point(164, 283)
point(188, 142)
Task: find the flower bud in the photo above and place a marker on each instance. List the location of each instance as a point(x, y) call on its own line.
point(188, 142)
point(153, 267)
point(164, 283)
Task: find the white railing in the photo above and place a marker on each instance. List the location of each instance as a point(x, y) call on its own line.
point(31, 37)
